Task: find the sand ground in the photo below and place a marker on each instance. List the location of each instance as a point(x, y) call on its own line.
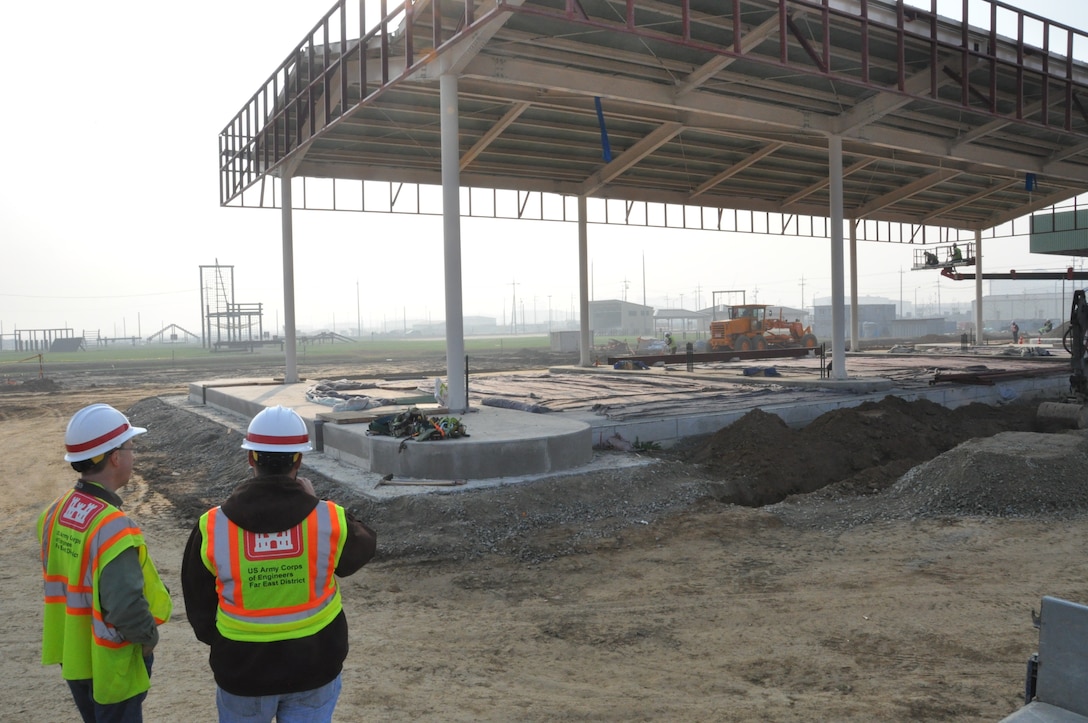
point(714, 612)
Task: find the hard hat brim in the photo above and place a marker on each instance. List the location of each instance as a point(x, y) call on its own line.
point(107, 446)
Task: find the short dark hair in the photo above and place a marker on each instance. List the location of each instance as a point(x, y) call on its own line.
point(90, 466)
point(273, 462)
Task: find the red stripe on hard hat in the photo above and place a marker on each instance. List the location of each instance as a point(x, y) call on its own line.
point(271, 439)
point(97, 441)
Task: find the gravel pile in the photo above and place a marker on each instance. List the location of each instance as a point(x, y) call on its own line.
point(1009, 475)
point(1012, 474)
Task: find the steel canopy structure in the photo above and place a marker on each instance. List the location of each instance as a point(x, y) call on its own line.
point(927, 113)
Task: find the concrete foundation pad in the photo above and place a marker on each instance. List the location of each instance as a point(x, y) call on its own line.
point(500, 442)
point(505, 443)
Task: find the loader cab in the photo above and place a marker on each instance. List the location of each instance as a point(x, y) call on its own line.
point(752, 315)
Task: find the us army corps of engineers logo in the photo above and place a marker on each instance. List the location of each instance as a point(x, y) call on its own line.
point(79, 511)
point(274, 545)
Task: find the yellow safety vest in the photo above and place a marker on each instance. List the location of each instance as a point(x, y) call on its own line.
point(79, 535)
point(275, 586)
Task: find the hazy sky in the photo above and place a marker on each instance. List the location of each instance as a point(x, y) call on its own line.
point(109, 198)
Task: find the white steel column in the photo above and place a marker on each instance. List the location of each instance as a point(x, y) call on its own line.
point(290, 373)
point(979, 335)
point(854, 322)
point(585, 343)
point(838, 284)
point(451, 235)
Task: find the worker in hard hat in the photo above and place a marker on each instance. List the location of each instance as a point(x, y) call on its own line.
point(670, 342)
point(259, 581)
point(104, 599)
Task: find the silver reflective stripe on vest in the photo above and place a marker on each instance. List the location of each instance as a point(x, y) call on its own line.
point(325, 519)
point(219, 528)
point(56, 589)
point(103, 534)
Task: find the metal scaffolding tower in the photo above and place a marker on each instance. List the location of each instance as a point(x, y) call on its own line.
point(226, 322)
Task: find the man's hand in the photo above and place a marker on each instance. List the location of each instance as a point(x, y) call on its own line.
point(306, 485)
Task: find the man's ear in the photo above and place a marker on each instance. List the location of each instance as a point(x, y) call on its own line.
point(249, 459)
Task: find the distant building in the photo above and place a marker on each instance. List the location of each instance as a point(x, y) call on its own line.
point(681, 320)
point(1000, 310)
point(620, 318)
point(879, 314)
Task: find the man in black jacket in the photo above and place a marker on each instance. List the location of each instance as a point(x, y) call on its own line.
point(259, 581)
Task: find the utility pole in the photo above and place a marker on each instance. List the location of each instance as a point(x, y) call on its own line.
point(514, 307)
point(900, 292)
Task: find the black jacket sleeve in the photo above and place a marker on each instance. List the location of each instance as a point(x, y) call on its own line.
point(198, 590)
point(359, 548)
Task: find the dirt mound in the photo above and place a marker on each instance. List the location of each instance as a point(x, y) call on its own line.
point(31, 385)
point(865, 448)
point(192, 461)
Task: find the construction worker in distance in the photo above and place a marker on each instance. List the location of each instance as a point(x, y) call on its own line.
point(104, 599)
point(259, 581)
point(670, 342)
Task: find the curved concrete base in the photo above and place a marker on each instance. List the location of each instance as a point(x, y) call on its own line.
point(501, 442)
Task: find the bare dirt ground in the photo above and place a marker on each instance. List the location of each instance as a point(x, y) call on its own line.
point(888, 574)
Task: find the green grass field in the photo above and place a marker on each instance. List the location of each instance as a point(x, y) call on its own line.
point(363, 350)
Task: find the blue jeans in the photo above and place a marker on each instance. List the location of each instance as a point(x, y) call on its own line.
point(127, 711)
point(309, 706)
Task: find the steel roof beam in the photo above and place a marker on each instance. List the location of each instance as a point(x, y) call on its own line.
point(968, 200)
point(903, 193)
point(494, 132)
point(628, 158)
point(750, 40)
point(736, 168)
point(874, 108)
point(820, 185)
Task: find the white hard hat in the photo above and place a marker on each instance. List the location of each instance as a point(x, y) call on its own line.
point(95, 430)
point(277, 429)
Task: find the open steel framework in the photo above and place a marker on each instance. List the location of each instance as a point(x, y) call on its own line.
point(715, 105)
point(926, 114)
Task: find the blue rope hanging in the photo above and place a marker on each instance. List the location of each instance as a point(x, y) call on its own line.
point(606, 150)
